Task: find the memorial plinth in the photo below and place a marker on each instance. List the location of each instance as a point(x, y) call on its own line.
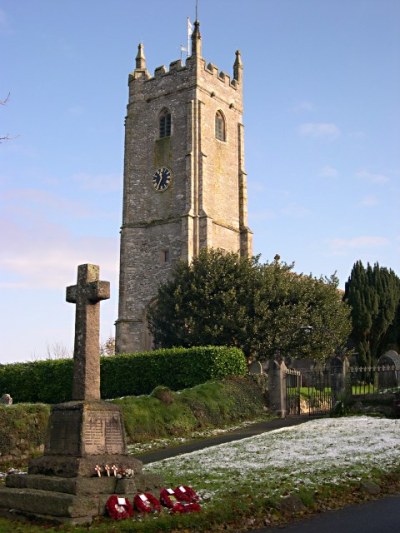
point(83, 435)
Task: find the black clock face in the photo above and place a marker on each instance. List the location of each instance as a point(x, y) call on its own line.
point(162, 179)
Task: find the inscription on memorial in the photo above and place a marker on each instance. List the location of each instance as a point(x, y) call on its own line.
point(103, 433)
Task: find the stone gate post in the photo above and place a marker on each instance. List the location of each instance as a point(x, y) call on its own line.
point(277, 388)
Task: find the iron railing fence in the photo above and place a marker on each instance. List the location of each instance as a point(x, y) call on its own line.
point(316, 391)
point(365, 380)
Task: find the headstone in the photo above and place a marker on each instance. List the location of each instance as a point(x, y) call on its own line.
point(255, 368)
point(389, 370)
point(338, 367)
point(85, 440)
point(6, 399)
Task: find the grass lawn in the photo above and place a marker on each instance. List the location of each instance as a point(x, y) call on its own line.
point(245, 482)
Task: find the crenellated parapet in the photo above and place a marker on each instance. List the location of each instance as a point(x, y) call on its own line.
point(186, 70)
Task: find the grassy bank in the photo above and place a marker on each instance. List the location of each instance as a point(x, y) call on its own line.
point(163, 413)
point(166, 413)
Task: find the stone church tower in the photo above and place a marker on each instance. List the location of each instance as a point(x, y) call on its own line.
point(184, 178)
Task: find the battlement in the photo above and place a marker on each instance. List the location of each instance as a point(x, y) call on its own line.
point(178, 66)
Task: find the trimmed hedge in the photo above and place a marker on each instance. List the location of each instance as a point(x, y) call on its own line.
point(50, 381)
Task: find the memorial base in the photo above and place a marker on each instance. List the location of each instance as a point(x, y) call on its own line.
point(62, 486)
point(51, 499)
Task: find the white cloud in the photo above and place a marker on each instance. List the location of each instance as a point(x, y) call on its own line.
point(328, 172)
point(372, 177)
point(319, 130)
point(369, 201)
point(47, 255)
point(341, 246)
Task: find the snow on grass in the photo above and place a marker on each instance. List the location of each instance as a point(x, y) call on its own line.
point(325, 451)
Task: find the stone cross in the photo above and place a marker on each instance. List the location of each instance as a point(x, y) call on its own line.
point(87, 294)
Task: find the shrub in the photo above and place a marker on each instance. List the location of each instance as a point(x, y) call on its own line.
point(127, 374)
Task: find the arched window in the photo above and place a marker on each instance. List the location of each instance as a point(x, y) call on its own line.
point(165, 124)
point(220, 132)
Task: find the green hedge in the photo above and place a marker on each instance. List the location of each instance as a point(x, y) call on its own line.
point(50, 381)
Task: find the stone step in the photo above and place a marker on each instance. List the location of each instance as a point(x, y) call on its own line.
point(94, 485)
point(54, 504)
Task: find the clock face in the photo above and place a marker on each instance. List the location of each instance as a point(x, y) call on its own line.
point(162, 178)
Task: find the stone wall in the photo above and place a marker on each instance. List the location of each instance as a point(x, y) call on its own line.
point(205, 204)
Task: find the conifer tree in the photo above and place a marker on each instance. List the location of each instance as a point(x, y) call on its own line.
point(374, 295)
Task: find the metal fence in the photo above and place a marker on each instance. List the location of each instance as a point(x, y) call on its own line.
point(315, 392)
point(373, 379)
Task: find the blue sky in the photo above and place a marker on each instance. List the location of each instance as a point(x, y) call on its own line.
point(322, 139)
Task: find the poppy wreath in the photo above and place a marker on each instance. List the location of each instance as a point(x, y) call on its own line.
point(146, 503)
point(186, 494)
point(119, 508)
point(169, 500)
point(191, 507)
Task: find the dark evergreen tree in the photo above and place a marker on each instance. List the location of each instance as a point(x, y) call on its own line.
point(223, 299)
point(374, 295)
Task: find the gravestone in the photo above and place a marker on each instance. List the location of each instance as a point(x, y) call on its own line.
point(83, 436)
point(6, 399)
point(255, 368)
point(389, 374)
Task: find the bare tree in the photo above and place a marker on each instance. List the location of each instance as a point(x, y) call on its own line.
point(57, 350)
point(108, 347)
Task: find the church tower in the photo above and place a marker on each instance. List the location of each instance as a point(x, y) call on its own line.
point(184, 178)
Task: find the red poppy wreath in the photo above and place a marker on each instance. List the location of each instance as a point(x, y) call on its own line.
point(146, 503)
point(170, 499)
point(119, 508)
point(186, 494)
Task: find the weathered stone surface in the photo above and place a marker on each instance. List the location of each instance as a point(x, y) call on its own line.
point(66, 466)
point(255, 368)
point(125, 486)
point(205, 204)
point(87, 294)
point(291, 504)
point(370, 487)
point(85, 428)
point(148, 482)
point(77, 485)
point(49, 503)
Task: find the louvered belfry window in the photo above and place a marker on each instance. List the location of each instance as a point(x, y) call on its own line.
point(165, 124)
point(220, 126)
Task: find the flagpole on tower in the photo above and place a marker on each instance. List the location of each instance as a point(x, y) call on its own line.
point(189, 35)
